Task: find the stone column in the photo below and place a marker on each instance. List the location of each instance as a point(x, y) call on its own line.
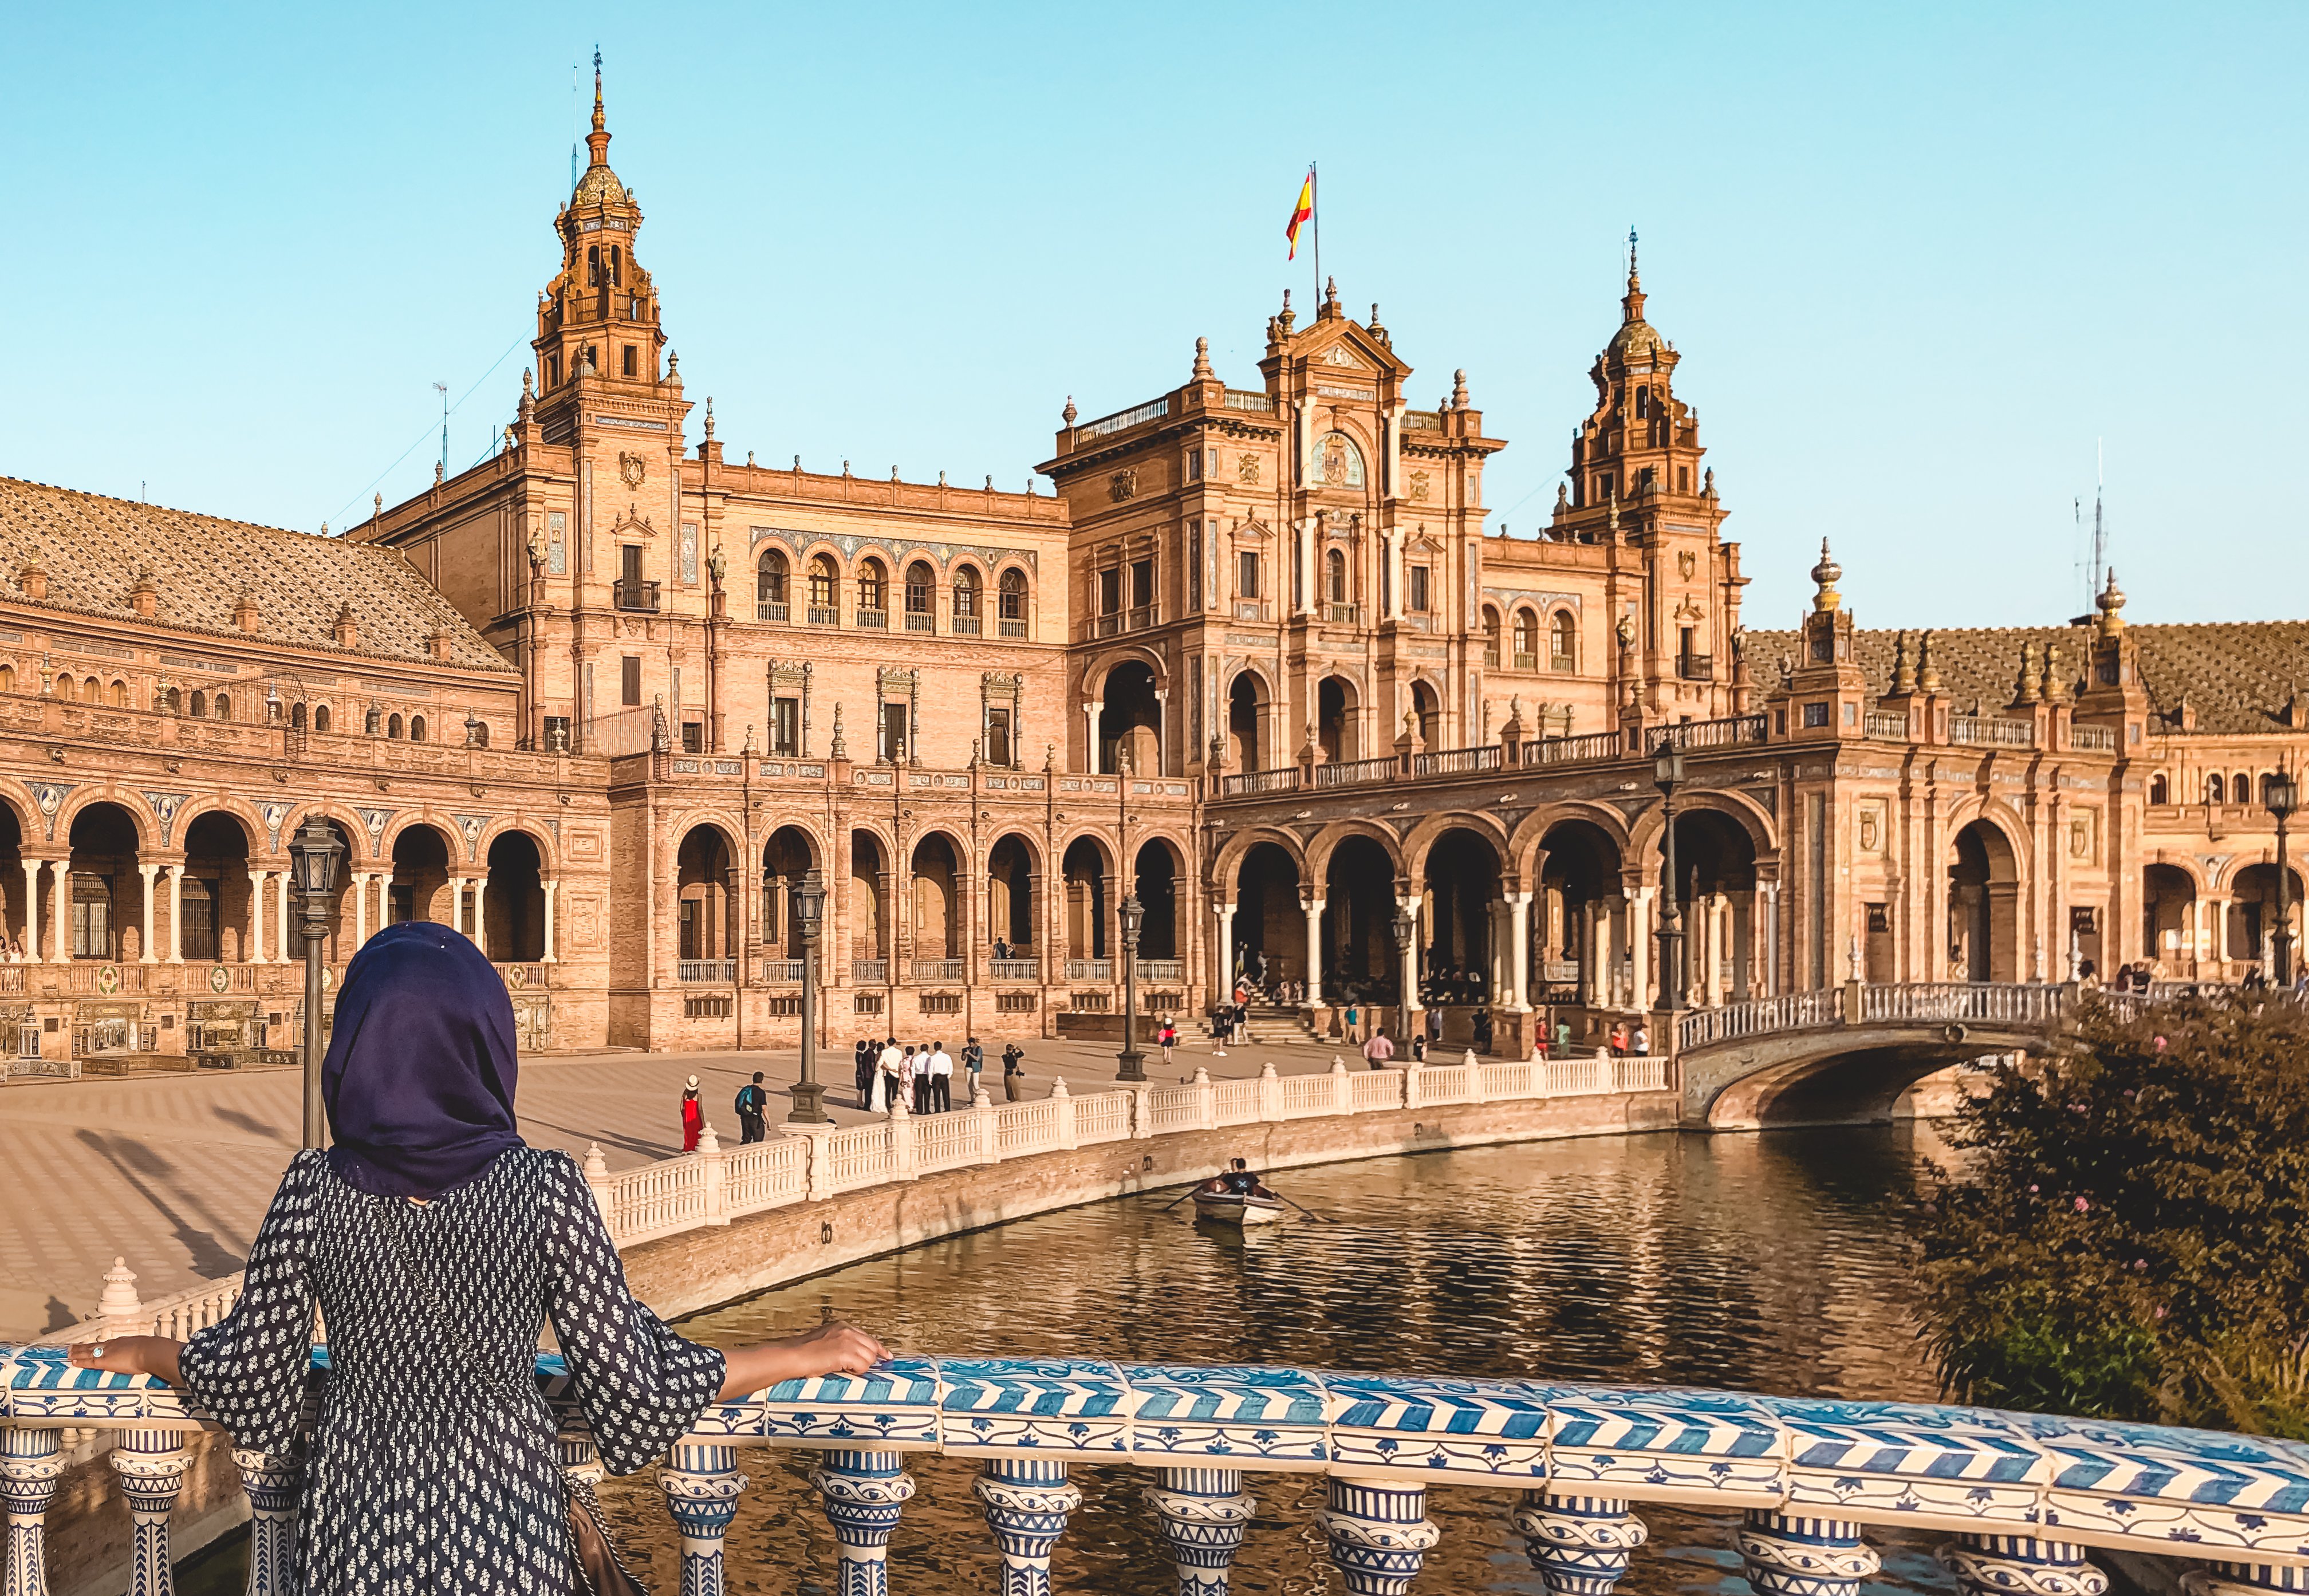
point(281, 919)
point(1409, 975)
point(272, 1481)
point(1313, 909)
point(31, 1463)
point(252, 947)
point(32, 909)
point(1027, 1501)
point(1711, 969)
point(1203, 1514)
point(1639, 946)
point(145, 873)
point(1770, 985)
point(1792, 1553)
point(177, 914)
point(358, 887)
point(60, 909)
point(552, 890)
point(1225, 993)
point(1578, 1545)
point(864, 1493)
point(482, 915)
point(1092, 709)
point(1520, 953)
point(1379, 1534)
point(701, 1486)
point(151, 1464)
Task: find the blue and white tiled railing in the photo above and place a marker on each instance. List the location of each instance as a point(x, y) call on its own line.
point(2025, 1497)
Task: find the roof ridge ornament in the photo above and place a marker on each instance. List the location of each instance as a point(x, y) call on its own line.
point(1826, 575)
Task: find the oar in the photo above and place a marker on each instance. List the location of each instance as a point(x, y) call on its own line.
point(1182, 1197)
point(1310, 1212)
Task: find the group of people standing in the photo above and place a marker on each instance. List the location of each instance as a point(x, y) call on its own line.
point(920, 1074)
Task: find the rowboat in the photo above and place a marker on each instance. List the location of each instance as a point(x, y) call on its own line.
point(1227, 1208)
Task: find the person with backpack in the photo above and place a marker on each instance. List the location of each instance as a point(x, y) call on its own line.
point(753, 1110)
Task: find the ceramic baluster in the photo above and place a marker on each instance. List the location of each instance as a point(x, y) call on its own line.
point(271, 1480)
point(1027, 1500)
point(151, 1464)
point(32, 1462)
point(1792, 1553)
point(700, 1493)
point(2020, 1566)
point(2244, 1579)
point(1579, 1545)
point(864, 1493)
point(1378, 1535)
point(1203, 1512)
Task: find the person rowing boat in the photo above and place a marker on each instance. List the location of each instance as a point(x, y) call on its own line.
point(1236, 1195)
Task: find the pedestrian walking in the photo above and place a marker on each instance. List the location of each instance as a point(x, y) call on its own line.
point(1354, 1017)
point(1168, 1038)
point(1643, 1041)
point(436, 1246)
point(1619, 1039)
point(693, 1117)
point(974, 1061)
point(1013, 1075)
point(1419, 1049)
point(753, 1110)
point(941, 1076)
point(1378, 1049)
point(864, 1070)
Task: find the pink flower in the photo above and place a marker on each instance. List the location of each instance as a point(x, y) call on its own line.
point(2083, 1206)
point(2032, 1191)
point(2160, 1311)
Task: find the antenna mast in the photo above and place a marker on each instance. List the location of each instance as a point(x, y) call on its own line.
point(442, 390)
point(2100, 527)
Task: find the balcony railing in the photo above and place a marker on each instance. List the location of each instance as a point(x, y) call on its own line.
point(1090, 969)
point(1121, 419)
point(1452, 762)
point(1987, 730)
point(1730, 731)
point(780, 973)
point(708, 972)
point(1573, 750)
point(963, 625)
point(1257, 403)
point(870, 972)
point(1011, 628)
point(1891, 725)
point(872, 620)
point(1562, 664)
point(921, 620)
point(1286, 780)
point(1353, 773)
point(1345, 614)
point(1161, 969)
point(1142, 616)
point(2095, 739)
point(641, 596)
point(939, 970)
point(1524, 662)
point(824, 615)
point(1015, 970)
point(771, 609)
point(1696, 668)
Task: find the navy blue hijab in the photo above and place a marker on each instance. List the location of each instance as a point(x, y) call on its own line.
point(419, 1077)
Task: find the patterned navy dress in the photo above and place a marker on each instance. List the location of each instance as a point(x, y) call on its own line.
point(424, 1475)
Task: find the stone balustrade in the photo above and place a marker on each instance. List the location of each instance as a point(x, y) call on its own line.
point(2024, 1497)
point(2001, 1004)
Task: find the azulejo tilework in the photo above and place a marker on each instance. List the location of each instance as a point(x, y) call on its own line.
point(2176, 1491)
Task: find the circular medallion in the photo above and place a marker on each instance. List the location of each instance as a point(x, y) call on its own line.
point(107, 980)
point(517, 975)
point(219, 979)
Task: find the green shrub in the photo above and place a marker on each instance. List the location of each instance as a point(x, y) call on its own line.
point(2128, 1234)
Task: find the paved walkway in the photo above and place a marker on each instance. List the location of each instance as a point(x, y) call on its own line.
point(173, 1172)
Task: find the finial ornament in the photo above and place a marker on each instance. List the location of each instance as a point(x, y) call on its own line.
point(2028, 688)
point(2111, 603)
point(1634, 282)
point(2057, 686)
point(1069, 414)
point(1562, 498)
point(1331, 292)
point(1928, 674)
point(1904, 670)
point(839, 749)
point(709, 417)
point(1202, 359)
point(672, 367)
point(1825, 575)
point(1459, 388)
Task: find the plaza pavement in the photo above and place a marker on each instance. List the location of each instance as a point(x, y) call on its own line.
point(173, 1172)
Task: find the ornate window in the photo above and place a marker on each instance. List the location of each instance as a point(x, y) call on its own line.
point(1526, 641)
point(223, 707)
point(393, 728)
point(1491, 637)
point(416, 729)
point(2214, 788)
point(1563, 642)
point(200, 700)
point(770, 586)
point(965, 595)
point(1010, 600)
point(1335, 576)
point(321, 717)
point(2160, 791)
point(1338, 463)
point(873, 585)
point(823, 577)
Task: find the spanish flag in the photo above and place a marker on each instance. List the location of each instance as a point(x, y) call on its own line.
point(1301, 212)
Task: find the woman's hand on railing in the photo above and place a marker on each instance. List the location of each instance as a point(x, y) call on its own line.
point(151, 1355)
point(833, 1348)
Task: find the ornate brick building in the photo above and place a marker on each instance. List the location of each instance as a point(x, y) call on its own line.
point(606, 698)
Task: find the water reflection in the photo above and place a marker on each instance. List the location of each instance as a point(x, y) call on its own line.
point(1768, 1263)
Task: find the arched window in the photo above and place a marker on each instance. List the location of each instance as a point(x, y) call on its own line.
point(2159, 792)
point(593, 264)
point(1491, 637)
point(1563, 642)
point(7, 678)
point(1526, 640)
point(173, 700)
point(2240, 788)
point(1335, 576)
point(321, 717)
point(1011, 599)
point(2214, 790)
point(223, 707)
point(617, 265)
point(297, 716)
point(770, 587)
point(118, 696)
point(921, 584)
point(393, 728)
point(199, 704)
point(63, 687)
point(92, 690)
point(375, 724)
point(823, 577)
point(873, 588)
point(416, 729)
point(965, 597)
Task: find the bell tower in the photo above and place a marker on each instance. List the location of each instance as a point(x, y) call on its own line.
point(598, 321)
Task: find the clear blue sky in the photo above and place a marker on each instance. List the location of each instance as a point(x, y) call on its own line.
point(1917, 259)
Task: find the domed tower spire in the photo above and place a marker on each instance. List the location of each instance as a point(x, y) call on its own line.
point(598, 141)
point(1631, 303)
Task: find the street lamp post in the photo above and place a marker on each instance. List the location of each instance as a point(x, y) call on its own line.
point(315, 852)
point(1132, 1062)
point(809, 1094)
point(1406, 971)
point(2280, 798)
point(1667, 775)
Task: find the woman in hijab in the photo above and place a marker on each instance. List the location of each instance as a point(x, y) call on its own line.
point(435, 1246)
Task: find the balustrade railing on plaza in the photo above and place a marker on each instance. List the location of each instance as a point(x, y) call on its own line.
point(2222, 1515)
point(707, 972)
point(1090, 969)
point(780, 971)
point(1015, 970)
point(1991, 731)
point(1573, 750)
point(870, 972)
point(1891, 1003)
point(937, 970)
point(1889, 724)
point(1161, 969)
point(2098, 739)
point(1728, 731)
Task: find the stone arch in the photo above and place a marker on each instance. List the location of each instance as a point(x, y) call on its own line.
point(1247, 700)
point(453, 838)
point(1423, 702)
point(1987, 881)
point(1531, 832)
point(705, 915)
point(1573, 862)
point(1319, 849)
point(1423, 837)
point(788, 854)
point(1086, 866)
point(867, 859)
point(1643, 843)
point(1338, 700)
point(547, 852)
point(424, 854)
point(1355, 865)
point(1129, 719)
point(140, 814)
point(1158, 867)
point(1014, 599)
point(513, 894)
point(1013, 870)
point(937, 863)
point(251, 822)
point(1268, 885)
point(1457, 867)
point(1224, 864)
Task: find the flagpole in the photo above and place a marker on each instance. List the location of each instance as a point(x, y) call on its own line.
point(1316, 217)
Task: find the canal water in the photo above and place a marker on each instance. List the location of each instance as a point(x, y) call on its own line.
point(1771, 1263)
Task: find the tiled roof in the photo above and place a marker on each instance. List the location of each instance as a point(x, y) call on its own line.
point(2238, 675)
point(93, 548)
